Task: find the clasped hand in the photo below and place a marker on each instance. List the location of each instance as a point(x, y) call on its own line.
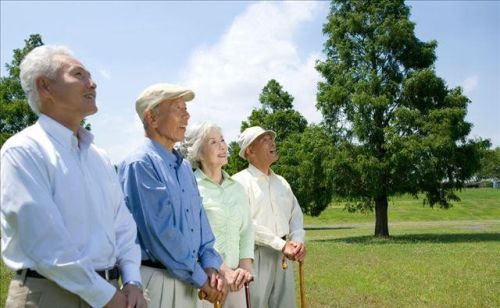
point(294, 251)
point(214, 288)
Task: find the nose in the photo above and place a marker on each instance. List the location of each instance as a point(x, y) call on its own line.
point(92, 83)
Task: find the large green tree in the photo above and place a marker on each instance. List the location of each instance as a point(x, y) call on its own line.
point(15, 113)
point(398, 127)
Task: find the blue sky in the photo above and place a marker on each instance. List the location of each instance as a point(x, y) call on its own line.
point(227, 51)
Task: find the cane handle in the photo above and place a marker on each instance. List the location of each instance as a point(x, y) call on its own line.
point(284, 263)
point(203, 295)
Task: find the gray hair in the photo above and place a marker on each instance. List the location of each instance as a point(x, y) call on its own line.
point(41, 61)
point(192, 146)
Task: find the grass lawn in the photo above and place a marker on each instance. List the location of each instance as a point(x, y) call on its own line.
point(434, 258)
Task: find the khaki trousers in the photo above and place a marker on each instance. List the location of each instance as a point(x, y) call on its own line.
point(42, 293)
point(273, 287)
point(163, 291)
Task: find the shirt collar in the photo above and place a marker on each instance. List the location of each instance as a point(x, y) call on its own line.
point(170, 157)
point(202, 176)
point(64, 135)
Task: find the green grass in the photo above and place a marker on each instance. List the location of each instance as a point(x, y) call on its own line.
point(434, 258)
point(454, 265)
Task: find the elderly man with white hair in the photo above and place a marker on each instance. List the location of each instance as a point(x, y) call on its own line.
point(174, 233)
point(226, 205)
point(65, 228)
point(277, 217)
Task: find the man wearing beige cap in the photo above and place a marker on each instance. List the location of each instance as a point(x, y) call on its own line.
point(277, 217)
point(177, 243)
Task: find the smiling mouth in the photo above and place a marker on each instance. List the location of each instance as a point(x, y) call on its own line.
point(90, 96)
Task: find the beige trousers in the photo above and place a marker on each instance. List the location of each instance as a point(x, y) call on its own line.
point(163, 291)
point(273, 287)
point(41, 293)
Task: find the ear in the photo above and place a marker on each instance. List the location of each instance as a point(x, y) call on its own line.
point(150, 118)
point(43, 86)
point(248, 151)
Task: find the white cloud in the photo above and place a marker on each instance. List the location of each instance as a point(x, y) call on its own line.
point(121, 133)
point(228, 76)
point(470, 84)
point(104, 73)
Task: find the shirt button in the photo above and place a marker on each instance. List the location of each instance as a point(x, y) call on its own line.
point(192, 230)
point(194, 251)
point(182, 190)
point(187, 210)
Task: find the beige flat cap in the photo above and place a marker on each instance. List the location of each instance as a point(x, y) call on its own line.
point(157, 93)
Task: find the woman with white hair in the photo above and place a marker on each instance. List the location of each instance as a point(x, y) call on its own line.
point(226, 205)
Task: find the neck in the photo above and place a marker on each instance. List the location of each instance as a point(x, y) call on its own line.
point(68, 122)
point(213, 172)
point(264, 168)
point(167, 144)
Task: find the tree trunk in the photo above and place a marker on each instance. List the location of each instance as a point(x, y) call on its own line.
point(381, 223)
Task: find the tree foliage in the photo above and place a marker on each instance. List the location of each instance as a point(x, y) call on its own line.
point(15, 113)
point(235, 162)
point(305, 163)
point(398, 127)
point(276, 113)
point(490, 164)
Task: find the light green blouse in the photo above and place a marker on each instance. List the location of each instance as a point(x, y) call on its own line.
point(228, 212)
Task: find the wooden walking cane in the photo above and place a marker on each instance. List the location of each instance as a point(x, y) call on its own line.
point(284, 265)
point(247, 293)
point(301, 279)
point(202, 295)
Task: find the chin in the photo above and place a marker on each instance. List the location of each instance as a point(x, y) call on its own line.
point(91, 111)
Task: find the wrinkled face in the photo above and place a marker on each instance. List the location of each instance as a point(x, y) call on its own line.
point(263, 150)
point(170, 120)
point(73, 91)
point(214, 150)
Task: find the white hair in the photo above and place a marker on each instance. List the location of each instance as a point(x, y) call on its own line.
point(41, 61)
point(192, 146)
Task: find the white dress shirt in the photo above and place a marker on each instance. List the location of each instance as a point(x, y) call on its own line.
point(274, 208)
point(63, 212)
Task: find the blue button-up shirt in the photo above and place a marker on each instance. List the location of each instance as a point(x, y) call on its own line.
point(162, 194)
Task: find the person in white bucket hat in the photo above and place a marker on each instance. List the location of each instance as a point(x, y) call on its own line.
point(278, 219)
point(177, 242)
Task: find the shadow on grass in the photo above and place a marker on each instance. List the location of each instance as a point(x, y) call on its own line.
point(326, 228)
point(419, 238)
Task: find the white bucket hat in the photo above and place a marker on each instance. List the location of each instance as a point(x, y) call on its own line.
point(249, 135)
